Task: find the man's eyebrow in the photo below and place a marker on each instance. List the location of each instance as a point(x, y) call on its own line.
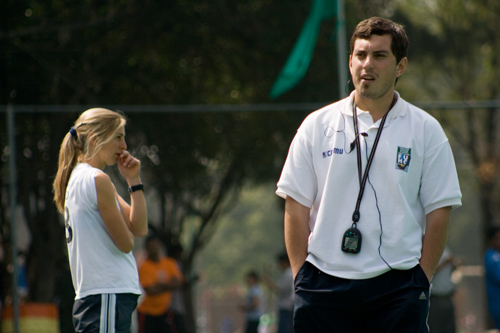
point(361, 51)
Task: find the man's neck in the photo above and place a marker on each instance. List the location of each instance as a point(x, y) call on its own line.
point(376, 107)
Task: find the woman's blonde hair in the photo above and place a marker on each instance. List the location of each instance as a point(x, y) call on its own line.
point(92, 130)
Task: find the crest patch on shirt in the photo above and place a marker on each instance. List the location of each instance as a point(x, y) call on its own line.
point(403, 159)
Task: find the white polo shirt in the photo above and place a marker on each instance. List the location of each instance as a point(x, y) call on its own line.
point(413, 173)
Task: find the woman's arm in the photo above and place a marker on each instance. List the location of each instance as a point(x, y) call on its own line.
point(135, 214)
point(113, 219)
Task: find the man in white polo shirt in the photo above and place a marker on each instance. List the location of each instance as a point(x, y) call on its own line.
point(369, 182)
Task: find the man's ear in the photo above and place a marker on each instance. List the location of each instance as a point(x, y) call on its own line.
point(401, 67)
point(350, 64)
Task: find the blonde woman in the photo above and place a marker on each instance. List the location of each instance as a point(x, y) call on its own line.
point(100, 224)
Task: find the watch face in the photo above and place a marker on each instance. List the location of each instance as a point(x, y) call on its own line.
point(351, 243)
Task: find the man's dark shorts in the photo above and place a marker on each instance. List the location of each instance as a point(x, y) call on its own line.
point(394, 302)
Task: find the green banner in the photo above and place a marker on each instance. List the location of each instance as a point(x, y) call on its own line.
point(297, 63)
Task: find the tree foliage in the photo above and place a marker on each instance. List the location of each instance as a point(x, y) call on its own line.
point(462, 66)
point(148, 52)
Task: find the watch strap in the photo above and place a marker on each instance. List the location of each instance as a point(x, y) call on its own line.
point(136, 188)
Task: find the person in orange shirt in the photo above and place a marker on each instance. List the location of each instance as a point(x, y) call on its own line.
point(158, 275)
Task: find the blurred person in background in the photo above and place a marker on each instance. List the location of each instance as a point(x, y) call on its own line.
point(442, 310)
point(492, 274)
point(284, 289)
point(254, 301)
point(159, 276)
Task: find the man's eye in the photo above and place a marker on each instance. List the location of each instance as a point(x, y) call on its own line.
point(381, 55)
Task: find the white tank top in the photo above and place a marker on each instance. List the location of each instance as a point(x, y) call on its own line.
point(97, 265)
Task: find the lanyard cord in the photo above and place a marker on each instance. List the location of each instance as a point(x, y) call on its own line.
point(362, 180)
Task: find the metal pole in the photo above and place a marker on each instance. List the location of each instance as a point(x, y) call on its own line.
point(13, 208)
point(341, 49)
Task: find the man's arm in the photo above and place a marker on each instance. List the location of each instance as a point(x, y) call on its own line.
point(296, 233)
point(434, 241)
point(161, 287)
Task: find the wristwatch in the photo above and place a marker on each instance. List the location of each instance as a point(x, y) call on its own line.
point(136, 188)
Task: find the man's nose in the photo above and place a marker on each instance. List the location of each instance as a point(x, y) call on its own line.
point(368, 63)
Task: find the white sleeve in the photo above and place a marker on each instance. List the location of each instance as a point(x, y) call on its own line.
point(298, 179)
point(439, 184)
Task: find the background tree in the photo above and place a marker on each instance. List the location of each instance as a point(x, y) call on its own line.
point(462, 66)
point(153, 52)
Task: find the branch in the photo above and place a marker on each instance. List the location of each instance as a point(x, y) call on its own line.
point(230, 181)
point(42, 29)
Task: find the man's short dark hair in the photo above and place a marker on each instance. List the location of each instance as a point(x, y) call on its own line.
point(492, 231)
point(254, 275)
point(380, 26)
point(152, 237)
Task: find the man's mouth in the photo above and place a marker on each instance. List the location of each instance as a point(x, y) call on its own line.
point(367, 77)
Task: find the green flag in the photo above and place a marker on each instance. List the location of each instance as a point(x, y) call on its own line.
point(297, 63)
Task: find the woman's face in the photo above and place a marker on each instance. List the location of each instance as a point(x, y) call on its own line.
point(111, 151)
